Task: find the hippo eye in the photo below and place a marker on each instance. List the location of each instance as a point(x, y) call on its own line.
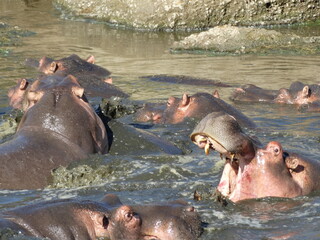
point(168, 103)
point(276, 150)
point(128, 216)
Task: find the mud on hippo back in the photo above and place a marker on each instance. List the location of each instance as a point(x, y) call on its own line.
point(60, 127)
point(251, 171)
point(83, 219)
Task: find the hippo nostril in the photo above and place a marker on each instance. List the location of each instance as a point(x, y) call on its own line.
point(105, 222)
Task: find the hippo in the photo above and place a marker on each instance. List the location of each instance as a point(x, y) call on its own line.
point(149, 112)
point(253, 93)
point(181, 79)
point(59, 128)
point(109, 219)
point(94, 79)
point(174, 220)
point(198, 106)
point(252, 171)
point(297, 94)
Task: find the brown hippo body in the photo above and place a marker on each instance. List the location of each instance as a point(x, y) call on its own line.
point(72, 219)
point(110, 219)
point(251, 171)
point(58, 128)
point(94, 79)
point(298, 94)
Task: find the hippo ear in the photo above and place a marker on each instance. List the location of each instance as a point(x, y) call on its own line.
point(100, 223)
point(292, 163)
point(78, 91)
point(23, 84)
point(305, 92)
point(185, 99)
point(91, 59)
point(216, 94)
point(108, 80)
point(53, 67)
point(112, 200)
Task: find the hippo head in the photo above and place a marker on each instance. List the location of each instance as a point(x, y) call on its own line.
point(169, 221)
point(73, 219)
point(150, 112)
point(195, 106)
point(250, 171)
point(70, 65)
point(60, 107)
point(16, 94)
point(284, 96)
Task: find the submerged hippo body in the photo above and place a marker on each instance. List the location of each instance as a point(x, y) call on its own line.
point(94, 79)
point(58, 128)
point(110, 219)
point(252, 93)
point(198, 106)
point(298, 94)
point(251, 171)
point(181, 79)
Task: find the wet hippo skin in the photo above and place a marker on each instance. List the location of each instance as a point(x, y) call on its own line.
point(94, 79)
point(109, 219)
point(252, 171)
point(60, 127)
point(198, 106)
point(298, 94)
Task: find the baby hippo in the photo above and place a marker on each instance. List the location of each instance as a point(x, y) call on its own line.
point(251, 171)
point(109, 219)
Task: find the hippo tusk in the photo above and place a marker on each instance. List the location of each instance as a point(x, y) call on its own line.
point(207, 148)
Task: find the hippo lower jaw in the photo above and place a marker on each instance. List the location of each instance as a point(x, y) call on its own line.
point(231, 170)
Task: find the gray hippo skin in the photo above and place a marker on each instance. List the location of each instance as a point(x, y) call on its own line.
point(298, 94)
point(198, 106)
point(94, 79)
point(110, 219)
point(59, 127)
point(72, 219)
point(251, 171)
point(164, 221)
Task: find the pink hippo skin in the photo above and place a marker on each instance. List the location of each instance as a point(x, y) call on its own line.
point(251, 171)
point(198, 106)
point(110, 219)
point(58, 128)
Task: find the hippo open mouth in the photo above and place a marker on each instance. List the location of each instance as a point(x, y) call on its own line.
point(231, 169)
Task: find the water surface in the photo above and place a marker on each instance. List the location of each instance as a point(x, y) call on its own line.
point(146, 176)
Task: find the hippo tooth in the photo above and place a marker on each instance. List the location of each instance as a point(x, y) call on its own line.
point(232, 155)
point(207, 148)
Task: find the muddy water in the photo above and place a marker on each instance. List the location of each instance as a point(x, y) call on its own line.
point(144, 175)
